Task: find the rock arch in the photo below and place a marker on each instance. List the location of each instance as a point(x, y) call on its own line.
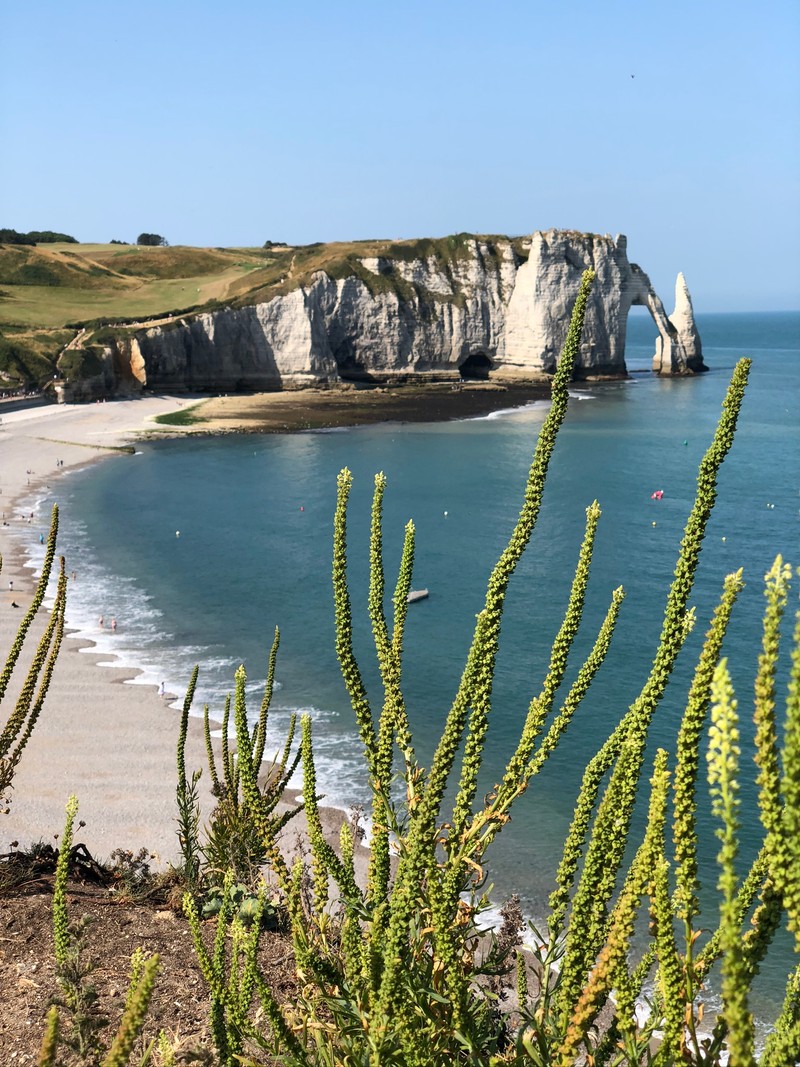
point(545, 291)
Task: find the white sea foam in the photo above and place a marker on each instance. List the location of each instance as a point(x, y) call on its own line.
point(505, 413)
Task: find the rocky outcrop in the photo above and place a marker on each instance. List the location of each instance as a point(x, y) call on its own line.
point(546, 290)
point(682, 351)
point(482, 310)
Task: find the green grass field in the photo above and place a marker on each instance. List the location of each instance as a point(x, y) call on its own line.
point(52, 285)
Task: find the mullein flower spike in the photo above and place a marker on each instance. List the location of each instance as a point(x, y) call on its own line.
point(723, 776)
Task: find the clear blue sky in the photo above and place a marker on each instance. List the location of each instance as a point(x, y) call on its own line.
point(232, 123)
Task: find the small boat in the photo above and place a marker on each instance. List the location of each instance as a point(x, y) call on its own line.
point(417, 594)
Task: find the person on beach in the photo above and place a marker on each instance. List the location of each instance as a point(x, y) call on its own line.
point(102, 622)
point(161, 690)
point(114, 625)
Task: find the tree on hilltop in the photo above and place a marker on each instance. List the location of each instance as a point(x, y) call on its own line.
point(151, 239)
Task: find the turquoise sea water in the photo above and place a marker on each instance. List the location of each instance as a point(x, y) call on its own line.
point(254, 552)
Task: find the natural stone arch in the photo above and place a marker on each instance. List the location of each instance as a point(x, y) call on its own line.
point(678, 348)
point(546, 289)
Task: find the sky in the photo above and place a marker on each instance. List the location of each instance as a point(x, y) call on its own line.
point(230, 124)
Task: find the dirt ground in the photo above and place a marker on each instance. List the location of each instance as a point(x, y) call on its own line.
point(116, 927)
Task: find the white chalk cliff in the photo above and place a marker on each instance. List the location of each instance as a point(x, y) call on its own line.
point(484, 311)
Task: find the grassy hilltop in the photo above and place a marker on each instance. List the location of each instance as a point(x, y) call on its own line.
point(49, 292)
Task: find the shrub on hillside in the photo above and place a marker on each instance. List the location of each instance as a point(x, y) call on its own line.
point(77, 364)
point(22, 365)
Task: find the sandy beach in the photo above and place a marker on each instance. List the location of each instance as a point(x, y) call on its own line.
point(113, 744)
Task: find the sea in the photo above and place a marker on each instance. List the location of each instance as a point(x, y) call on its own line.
point(199, 548)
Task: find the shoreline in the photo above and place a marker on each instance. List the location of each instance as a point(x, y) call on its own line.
point(125, 777)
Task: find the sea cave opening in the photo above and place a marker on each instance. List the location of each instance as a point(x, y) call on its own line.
point(476, 367)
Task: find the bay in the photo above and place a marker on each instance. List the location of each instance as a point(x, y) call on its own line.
point(200, 548)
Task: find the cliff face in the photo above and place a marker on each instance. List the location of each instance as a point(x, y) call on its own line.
point(482, 312)
point(418, 317)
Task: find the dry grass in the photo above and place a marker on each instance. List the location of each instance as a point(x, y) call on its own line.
point(51, 285)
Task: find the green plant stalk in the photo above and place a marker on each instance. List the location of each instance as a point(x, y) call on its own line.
point(477, 692)
point(400, 604)
point(514, 784)
point(351, 936)
point(140, 993)
point(344, 624)
point(210, 757)
point(612, 959)
point(30, 615)
point(783, 1043)
point(26, 700)
point(49, 1047)
point(580, 686)
point(540, 707)
point(723, 770)
point(684, 899)
point(50, 646)
point(684, 834)
point(260, 738)
point(670, 975)
point(226, 758)
point(260, 815)
point(748, 891)
point(21, 722)
point(763, 926)
point(393, 710)
point(220, 1000)
point(324, 859)
point(285, 1040)
point(184, 726)
point(769, 798)
point(61, 935)
point(188, 818)
point(212, 966)
point(787, 869)
point(467, 843)
point(316, 838)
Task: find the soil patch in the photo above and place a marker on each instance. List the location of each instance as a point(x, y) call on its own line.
point(115, 928)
